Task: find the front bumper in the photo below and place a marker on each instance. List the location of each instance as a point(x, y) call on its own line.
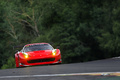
point(40, 61)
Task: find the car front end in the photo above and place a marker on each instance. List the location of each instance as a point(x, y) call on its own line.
point(40, 57)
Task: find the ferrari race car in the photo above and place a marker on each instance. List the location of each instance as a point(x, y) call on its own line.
point(37, 54)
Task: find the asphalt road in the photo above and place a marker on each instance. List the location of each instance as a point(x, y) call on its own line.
point(74, 71)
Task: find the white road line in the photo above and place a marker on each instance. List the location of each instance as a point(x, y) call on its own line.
point(53, 75)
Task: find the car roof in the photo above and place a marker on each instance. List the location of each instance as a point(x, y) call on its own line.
point(35, 44)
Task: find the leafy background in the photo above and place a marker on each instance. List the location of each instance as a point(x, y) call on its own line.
point(83, 29)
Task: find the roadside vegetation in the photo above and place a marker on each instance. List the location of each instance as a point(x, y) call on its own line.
point(83, 29)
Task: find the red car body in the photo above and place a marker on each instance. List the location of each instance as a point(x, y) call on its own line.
point(30, 56)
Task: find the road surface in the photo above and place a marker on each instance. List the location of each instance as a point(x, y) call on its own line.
point(107, 69)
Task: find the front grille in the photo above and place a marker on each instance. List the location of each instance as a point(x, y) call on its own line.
point(41, 60)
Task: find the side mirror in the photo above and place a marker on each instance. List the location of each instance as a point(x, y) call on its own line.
point(16, 51)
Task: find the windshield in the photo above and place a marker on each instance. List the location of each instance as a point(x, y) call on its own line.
point(38, 47)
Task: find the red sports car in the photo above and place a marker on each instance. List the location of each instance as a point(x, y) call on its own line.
point(37, 54)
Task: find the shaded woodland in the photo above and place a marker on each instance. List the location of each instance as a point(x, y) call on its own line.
point(84, 30)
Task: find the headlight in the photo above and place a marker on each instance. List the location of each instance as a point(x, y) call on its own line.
point(25, 55)
point(54, 52)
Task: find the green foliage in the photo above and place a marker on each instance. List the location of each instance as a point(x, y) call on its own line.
point(84, 29)
point(10, 63)
point(111, 41)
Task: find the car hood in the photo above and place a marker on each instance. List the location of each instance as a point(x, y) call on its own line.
point(40, 53)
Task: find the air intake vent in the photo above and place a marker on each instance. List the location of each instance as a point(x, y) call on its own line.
point(41, 60)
